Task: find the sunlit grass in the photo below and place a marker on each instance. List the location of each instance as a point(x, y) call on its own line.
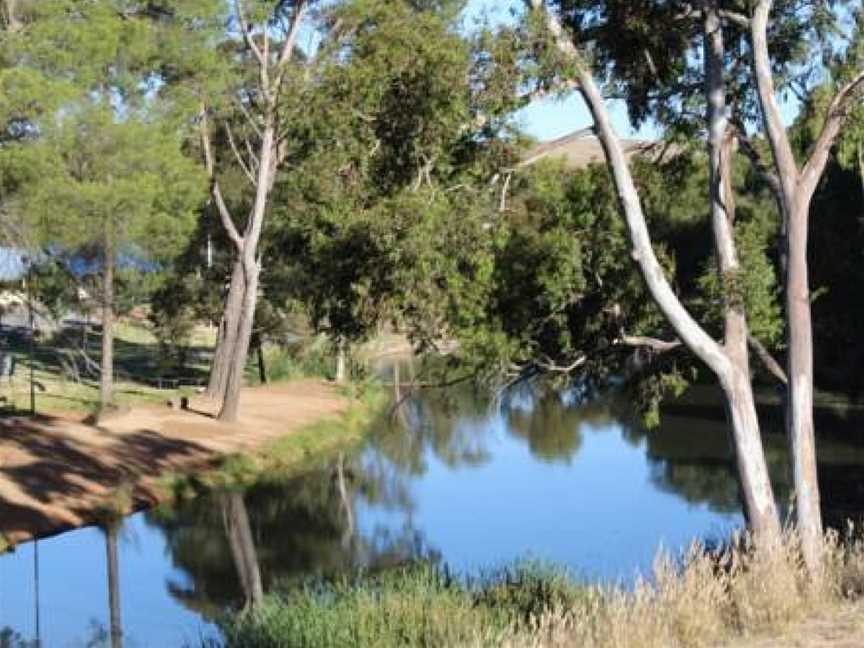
point(703, 599)
point(136, 356)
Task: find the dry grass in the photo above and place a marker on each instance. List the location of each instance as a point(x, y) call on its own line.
point(730, 596)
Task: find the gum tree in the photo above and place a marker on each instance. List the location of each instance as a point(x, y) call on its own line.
point(728, 360)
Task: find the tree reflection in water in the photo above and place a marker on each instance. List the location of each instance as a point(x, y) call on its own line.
point(233, 546)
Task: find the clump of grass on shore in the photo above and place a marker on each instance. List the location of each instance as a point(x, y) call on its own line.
point(706, 599)
point(419, 605)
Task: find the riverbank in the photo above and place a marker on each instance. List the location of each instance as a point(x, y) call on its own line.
point(59, 472)
point(734, 598)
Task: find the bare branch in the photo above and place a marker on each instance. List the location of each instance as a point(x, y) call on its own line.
point(776, 131)
point(758, 162)
point(249, 118)
point(550, 366)
point(505, 190)
point(246, 170)
point(734, 17)
point(838, 113)
point(247, 34)
point(290, 40)
point(215, 189)
point(652, 343)
point(767, 359)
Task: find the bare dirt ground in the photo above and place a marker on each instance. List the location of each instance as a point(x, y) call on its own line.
point(55, 472)
point(841, 627)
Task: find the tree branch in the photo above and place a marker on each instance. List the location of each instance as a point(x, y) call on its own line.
point(652, 343)
point(249, 118)
point(774, 128)
point(215, 189)
point(550, 366)
point(290, 43)
point(758, 162)
point(767, 359)
point(247, 35)
point(734, 17)
point(838, 113)
point(246, 170)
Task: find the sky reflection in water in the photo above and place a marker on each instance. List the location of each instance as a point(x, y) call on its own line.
point(467, 484)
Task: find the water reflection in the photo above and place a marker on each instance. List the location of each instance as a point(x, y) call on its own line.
point(276, 534)
point(113, 562)
point(454, 476)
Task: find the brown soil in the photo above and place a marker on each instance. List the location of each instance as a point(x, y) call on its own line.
point(57, 472)
point(837, 628)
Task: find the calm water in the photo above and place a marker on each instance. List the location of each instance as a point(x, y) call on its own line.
point(456, 479)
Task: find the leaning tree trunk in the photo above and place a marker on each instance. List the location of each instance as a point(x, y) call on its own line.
point(757, 493)
point(755, 485)
point(800, 428)
point(106, 379)
point(227, 339)
point(237, 366)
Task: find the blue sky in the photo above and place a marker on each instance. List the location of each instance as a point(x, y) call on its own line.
point(549, 118)
point(554, 118)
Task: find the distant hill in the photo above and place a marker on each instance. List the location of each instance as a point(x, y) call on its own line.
point(580, 149)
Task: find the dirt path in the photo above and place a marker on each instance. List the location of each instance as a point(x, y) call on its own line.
point(838, 628)
point(55, 471)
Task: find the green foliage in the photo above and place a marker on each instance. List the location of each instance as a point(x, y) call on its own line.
point(754, 288)
point(378, 216)
point(110, 178)
point(300, 360)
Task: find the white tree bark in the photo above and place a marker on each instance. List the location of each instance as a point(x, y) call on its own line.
point(271, 73)
point(797, 189)
point(730, 368)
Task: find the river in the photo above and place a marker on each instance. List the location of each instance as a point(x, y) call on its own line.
point(455, 478)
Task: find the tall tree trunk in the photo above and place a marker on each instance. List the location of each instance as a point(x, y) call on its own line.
point(799, 414)
point(114, 585)
point(239, 534)
point(106, 379)
point(798, 188)
point(251, 271)
point(341, 360)
point(227, 338)
point(262, 361)
point(237, 366)
point(754, 479)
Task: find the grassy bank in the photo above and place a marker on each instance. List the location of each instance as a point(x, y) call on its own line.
point(703, 599)
point(293, 453)
point(66, 381)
